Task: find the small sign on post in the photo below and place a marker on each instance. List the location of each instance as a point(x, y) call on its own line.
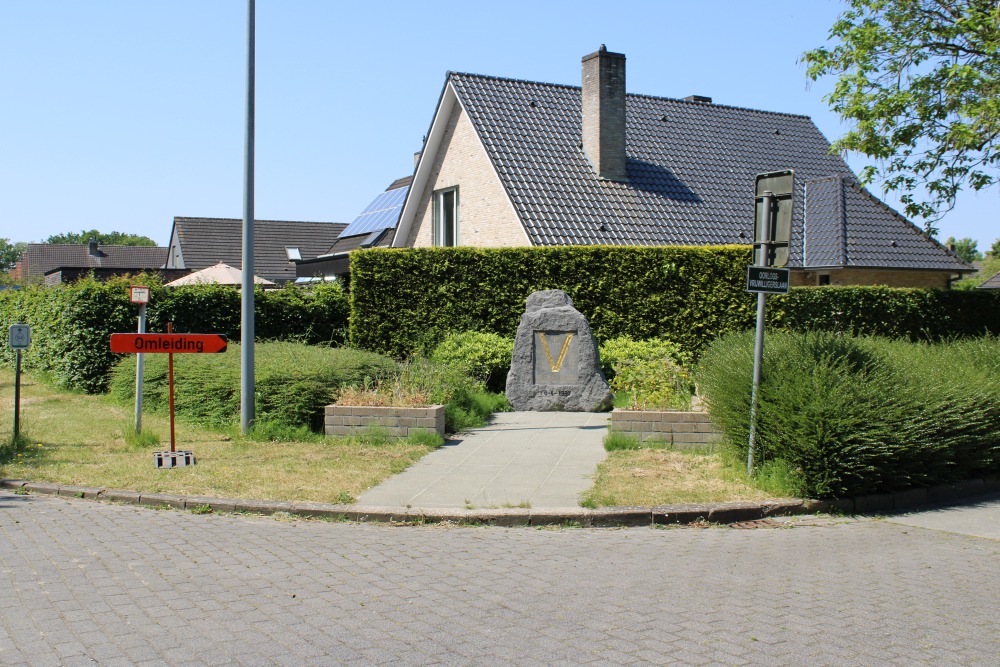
point(767, 280)
point(139, 294)
point(169, 344)
point(20, 340)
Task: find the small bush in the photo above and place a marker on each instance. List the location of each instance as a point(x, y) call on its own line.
point(840, 415)
point(483, 355)
point(648, 373)
point(294, 383)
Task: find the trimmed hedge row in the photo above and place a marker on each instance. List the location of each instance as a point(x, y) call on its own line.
point(72, 324)
point(407, 300)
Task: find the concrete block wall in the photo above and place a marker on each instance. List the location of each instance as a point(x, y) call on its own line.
point(679, 429)
point(400, 422)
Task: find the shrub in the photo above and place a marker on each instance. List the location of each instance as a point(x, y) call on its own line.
point(72, 324)
point(483, 355)
point(647, 373)
point(844, 415)
point(617, 352)
point(294, 382)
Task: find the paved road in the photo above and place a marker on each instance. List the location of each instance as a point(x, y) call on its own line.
point(521, 459)
point(88, 583)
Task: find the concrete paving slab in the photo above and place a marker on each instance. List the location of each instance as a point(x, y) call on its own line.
point(520, 458)
point(979, 517)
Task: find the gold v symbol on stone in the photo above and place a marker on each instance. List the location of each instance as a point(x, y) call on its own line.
point(556, 365)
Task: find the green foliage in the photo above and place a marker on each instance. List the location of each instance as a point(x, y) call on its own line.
point(10, 253)
point(295, 383)
point(916, 314)
point(425, 438)
point(485, 356)
point(140, 440)
point(841, 415)
point(917, 80)
point(647, 373)
point(616, 441)
point(72, 324)
point(406, 300)
point(466, 402)
point(995, 249)
point(989, 268)
point(111, 238)
point(472, 409)
point(965, 249)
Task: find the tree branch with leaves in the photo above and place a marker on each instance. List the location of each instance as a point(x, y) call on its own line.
point(918, 81)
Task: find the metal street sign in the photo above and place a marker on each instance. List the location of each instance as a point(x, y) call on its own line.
point(139, 294)
point(131, 343)
point(20, 336)
point(773, 227)
point(768, 280)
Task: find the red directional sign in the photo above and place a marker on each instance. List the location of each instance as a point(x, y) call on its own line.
point(131, 343)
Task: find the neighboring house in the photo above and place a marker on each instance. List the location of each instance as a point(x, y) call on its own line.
point(993, 282)
point(518, 163)
point(198, 243)
point(373, 228)
point(54, 263)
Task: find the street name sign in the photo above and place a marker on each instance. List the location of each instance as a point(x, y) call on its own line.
point(20, 336)
point(133, 343)
point(767, 279)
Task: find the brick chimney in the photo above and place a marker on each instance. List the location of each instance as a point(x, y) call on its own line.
point(92, 248)
point(604, 113)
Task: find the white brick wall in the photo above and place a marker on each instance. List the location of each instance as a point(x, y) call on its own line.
point(486, 218)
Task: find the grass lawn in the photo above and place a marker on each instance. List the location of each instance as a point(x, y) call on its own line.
point(79, 439)
point(650, 476)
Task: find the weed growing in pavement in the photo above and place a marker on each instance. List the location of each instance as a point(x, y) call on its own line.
point(616, 441)
point(202, 509)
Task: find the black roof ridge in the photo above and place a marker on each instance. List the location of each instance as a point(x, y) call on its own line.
point(678, 100)
point(312, 222)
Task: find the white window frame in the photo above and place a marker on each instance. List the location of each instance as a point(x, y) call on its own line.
point(440, 220)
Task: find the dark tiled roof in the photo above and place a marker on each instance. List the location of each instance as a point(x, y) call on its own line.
point(40, 258)
point(208, 241)
point(690, 169)
point(992, 282)
point(846, 225)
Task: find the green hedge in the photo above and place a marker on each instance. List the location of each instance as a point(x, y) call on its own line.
point(207, 386)
point(407, 300)
point(917, 314)
point(72, 324)
point(849, 416)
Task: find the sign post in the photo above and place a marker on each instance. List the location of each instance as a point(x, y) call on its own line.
point(772, 230)
point(20, 339)
point(140, 295)
point(169, 344)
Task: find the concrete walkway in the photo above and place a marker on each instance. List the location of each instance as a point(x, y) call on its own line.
point(521, 459)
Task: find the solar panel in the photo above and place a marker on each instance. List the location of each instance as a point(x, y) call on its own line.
point(382, 213)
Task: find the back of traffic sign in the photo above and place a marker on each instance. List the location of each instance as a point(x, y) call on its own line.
point(20, 336)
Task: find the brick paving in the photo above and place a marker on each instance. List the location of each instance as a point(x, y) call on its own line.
point(88, 583)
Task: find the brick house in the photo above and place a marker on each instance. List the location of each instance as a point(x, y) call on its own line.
point(198, 243)
point(518, 163)
point(54, 263)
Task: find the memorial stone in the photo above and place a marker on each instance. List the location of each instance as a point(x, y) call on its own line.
point(556, 366)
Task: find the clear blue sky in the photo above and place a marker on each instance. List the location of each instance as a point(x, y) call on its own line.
point(120, 115)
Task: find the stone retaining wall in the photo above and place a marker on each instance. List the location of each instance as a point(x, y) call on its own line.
point(679, 429)
point(352, 419)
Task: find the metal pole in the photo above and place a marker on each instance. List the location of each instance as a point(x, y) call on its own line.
point(170, 385)
point(17, 396)
point(140, 364)
point(246, 349)
point(758, 351)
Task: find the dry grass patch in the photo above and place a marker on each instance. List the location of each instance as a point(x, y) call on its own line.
point(649, 477)
point(83, 443)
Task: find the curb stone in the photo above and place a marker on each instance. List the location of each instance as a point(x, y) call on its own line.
point(605, 517)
